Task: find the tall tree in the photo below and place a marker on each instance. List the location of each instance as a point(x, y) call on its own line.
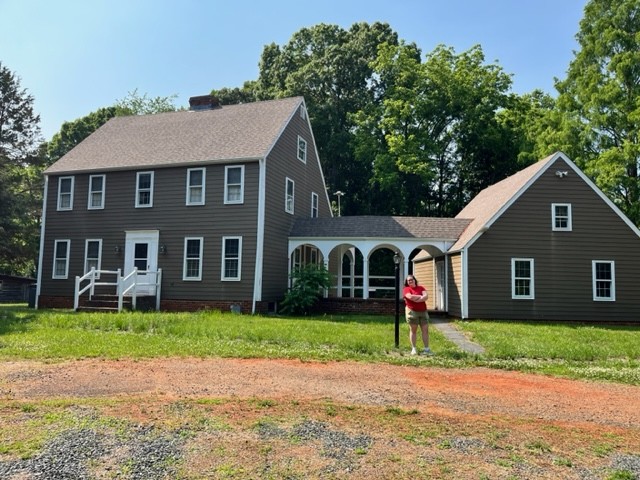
point(331, 68)
point(20, 166)
point(599, 101)
point(438, 138)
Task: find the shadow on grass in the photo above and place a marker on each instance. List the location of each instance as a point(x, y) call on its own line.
point(14, 318)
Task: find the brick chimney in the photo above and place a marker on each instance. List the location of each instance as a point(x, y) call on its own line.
point(204, 102)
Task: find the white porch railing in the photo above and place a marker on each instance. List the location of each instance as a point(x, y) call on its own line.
point(128, 285)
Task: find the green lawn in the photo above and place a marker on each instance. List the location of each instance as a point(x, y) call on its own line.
point(578, 351)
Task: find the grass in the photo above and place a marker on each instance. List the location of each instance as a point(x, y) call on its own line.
point(577, 351)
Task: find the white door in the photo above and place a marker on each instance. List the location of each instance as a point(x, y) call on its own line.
point(141, 251)
point(439, 296)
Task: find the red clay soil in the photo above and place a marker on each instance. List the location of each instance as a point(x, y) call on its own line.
point(476, 391)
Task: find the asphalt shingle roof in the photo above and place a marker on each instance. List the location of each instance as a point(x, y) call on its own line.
point(492, 199)
point(373, 226)
point(233, 132)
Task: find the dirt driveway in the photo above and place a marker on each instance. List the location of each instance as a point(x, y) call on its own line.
point(553, 412)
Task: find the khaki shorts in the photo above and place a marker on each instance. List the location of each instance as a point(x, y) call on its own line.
point(416, 318)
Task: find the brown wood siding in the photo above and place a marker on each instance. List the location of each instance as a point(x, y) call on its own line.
point(171, 217)
point(424, 271)
point(562, 260)
point(281, 163)
point(454, 285)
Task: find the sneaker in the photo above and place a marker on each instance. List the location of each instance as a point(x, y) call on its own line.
point(427, 351)
point(413, 351)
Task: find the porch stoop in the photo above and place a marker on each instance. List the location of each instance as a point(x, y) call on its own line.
point(104, 303)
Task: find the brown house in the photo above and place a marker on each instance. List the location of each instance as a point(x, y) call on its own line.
point(543, 244)
point(213, 207)
point(191, 208)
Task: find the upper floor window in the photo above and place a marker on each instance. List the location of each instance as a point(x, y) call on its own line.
point(92, 255)
point(289, 196)
point(234, 184)
point(144, 189)
point(302, 149)
point(61, 258)
point(604, 280)
point(561, 217)
point(314, 205)
point(195, 186)
point(96, 192)
point(522, 278)
point(65, 193)
point(231, 258)
point(192, 269)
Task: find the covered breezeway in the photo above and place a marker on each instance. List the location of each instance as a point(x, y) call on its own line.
point(358, 251)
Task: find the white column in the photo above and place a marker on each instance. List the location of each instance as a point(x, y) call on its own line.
point(365, 277)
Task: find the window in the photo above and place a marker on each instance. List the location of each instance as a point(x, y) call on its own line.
point(522, 278)
point(92, 255)
point(65, 193)
point(144, 189)
point(96, 192)
point(231, 257)
point(561, 217)
point(234, 184)
point(61, 258)
point(195, 186)
point(314, 205)
point(192, 258)
point(604, 280)
point(288, 199)
point(302, 149)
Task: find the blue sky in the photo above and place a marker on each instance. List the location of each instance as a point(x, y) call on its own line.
point(74, 57)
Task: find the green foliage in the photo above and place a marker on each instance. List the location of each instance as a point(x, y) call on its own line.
point(308, 283)
point(435, 135)
point(599, 101)
point(21, 163)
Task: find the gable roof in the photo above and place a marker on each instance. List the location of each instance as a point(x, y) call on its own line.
point(490, 203)
point(378, 227)
point(232, 132)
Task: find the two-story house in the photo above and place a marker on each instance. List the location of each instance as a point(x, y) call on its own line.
point(206, 196)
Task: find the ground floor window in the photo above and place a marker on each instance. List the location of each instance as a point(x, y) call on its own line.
point(522, 280)
point(231, 258)
point(61, 259)
point(192, 269)
point(604, 284)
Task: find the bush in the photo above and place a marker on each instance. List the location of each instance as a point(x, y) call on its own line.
point(308, 282)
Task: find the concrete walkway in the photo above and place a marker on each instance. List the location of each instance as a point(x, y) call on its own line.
point(456, 336)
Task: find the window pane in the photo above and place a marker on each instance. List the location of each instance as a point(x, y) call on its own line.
point(231, 248)
point(144, 181)
point(195, 177)
point(96, 184)
point(231, 268)
point(234, 175)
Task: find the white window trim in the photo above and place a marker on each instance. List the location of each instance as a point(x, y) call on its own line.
point(224, 259)
point(151, 182)
point(314, 205)
point(66, 267)
point(184, 264)
point(612, 298)
point(302, 149)
point(201, 186)
point(86, 254)
point(226, 185)
point(569, 226)
point(70, 207)
point(286, 195)
point(101, 192)
point(532, 292)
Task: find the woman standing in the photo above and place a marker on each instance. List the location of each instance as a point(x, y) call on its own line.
point(415, 299)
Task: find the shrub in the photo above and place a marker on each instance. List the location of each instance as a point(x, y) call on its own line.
point(308, 282)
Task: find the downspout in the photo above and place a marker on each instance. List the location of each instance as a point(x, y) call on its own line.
point(41, 253)
point(465, 283)
point(262, 187)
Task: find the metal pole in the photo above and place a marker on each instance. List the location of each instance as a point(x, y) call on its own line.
point(397, 325)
